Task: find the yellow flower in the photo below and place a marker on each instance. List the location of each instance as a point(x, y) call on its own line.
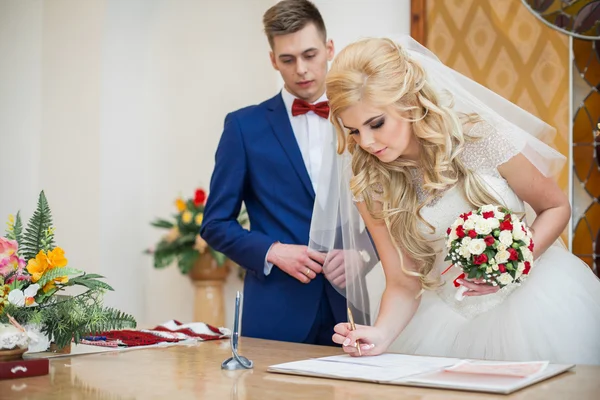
point(56, 258)
point(186, 217)
point(180, 204)
point(37, 266)
point(199, 218)
point(4, 289)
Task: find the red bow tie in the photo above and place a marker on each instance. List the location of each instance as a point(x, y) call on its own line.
point(302, 107)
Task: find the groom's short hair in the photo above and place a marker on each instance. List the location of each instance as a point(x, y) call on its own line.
point(290, 16)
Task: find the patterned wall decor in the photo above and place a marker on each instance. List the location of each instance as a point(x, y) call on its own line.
point(586, 152)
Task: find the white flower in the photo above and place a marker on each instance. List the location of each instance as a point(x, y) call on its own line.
point(518, 233)
point(492, 261)
point(494, 223)
point(506, 238)
point(502, 256)
point(501, 247)
point(452, 236)
point(24, 298)
point(477, 246)
point(464, 251)
point(483, 227)
point(488, 208)
point(527, 254)
point(488, 270)
point(499, 215)
point(469, 223)
point(495, 267)
point(505, 278)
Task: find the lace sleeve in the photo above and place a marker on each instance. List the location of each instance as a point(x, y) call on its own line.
point(487, 148)
point(374, 192)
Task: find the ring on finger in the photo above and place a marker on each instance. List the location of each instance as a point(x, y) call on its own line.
point(307, 272)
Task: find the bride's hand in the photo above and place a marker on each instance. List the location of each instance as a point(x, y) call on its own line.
point(477, 287)
point(371, 339)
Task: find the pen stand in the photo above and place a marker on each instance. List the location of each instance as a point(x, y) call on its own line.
point(236, 361)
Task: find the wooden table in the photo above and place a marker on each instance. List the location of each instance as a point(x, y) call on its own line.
point(194, 372)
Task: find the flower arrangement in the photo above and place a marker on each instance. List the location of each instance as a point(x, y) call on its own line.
point(491, 245)
point(183, 243)
point(33, 275)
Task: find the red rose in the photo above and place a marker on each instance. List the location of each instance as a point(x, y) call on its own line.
point(530, 247)
point(527, 267)
point(502, 268)
point(480, 259)
point(199, 197)
point(506, 226)
point(488, 214)
point(460, 232)
point(489, 240)
point(514, 256)
point(472, 234)
point(466, 216)
point(448, 231)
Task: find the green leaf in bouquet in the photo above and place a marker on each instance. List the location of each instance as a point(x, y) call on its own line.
point(510, 266)
point(56, 273)
point(473, 273)
point(15, 231)
point(162, 223)
point(90, 281)
point(186, 260)
point(35, 237)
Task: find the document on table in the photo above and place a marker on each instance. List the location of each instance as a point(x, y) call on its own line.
point(436, 372)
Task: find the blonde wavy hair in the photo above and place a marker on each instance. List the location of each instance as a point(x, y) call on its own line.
point(380, 73)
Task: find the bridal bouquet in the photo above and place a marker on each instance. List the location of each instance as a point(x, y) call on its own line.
point(491, 245)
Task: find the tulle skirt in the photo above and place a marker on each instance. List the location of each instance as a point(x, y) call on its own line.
point(554, 315)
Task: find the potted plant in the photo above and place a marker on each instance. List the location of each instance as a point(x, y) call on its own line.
point(182, 245)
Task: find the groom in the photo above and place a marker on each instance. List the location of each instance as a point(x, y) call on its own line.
point(269, 158)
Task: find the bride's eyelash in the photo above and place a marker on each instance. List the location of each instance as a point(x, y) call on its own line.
point(378, 124)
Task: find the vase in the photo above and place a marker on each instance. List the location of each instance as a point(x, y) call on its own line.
point(65, 350)
point(209, 281)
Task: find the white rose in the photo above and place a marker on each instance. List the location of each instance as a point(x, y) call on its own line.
point(506, 238)
point(456, 223)
point(495, 267)
point(494, 223)
point(518, 234)
point(502, 256)
point(464, 251)
point(488, 208)
point(477, 246)
point(452, 236)
point(521, 267)
point(527, 254)
point(492, 261)
point(483, 227)
point(469, 224)
point(501, 247)
point(488, 270)
point(505, 278)
point(499, 215)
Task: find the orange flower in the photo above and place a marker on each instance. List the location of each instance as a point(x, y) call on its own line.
point(180, 204)
point(56, 258)
point(37, 266)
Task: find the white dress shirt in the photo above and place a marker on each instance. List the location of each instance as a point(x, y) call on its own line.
point(310, 131)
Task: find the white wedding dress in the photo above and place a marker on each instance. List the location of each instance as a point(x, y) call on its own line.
point(554, 315)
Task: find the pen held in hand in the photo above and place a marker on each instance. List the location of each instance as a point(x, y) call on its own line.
point(353, 328)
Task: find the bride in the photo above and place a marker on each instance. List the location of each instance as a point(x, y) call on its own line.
point(420, 144)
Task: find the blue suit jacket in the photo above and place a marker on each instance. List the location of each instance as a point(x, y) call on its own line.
point(258, 162)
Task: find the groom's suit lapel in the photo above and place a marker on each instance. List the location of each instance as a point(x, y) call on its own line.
point(282, 128)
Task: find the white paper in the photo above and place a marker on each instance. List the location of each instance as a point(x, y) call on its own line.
point(382, 368)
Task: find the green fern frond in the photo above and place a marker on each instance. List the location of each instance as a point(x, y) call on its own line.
point(55, 273)
point(36, 236)
point(90, 281)
point(14, 230)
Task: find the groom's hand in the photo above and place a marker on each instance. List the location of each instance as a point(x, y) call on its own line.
point(297, 261)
